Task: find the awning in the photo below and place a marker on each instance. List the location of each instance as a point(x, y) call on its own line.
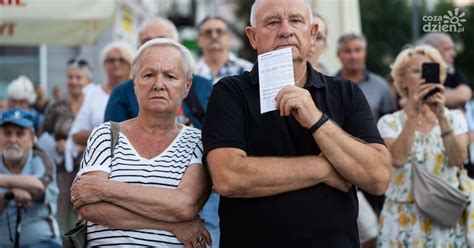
point(66, 22)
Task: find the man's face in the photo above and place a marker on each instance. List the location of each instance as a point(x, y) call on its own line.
point(214, 36)
point(15, 142)
point(446, 48)
point(352, 55)
point(154, 31)
point(77, 78)
point(280, 24)
point(18, 103)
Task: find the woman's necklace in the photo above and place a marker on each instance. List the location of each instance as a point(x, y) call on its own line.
point(426, 120)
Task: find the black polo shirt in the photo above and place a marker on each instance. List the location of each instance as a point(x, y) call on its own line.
point(319, 216)
point(455, 79)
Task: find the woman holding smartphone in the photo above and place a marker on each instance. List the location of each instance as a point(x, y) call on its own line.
point(428, 135)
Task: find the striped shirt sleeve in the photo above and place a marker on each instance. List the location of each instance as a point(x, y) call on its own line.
point(197, 154)
point(97, 156)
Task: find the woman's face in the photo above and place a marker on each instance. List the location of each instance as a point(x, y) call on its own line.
point(160, 81)
point(115, 65)
point(412, 72)
point(77, 78)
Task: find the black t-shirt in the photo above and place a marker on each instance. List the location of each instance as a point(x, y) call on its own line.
point(318, 216)
point(455, 79)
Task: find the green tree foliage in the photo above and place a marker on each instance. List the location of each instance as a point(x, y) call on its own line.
point(463, 40)
point(387, 27)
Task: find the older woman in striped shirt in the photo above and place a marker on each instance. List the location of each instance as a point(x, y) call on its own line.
point(150, 190)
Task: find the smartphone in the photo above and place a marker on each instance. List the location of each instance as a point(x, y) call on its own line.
point(430, 73)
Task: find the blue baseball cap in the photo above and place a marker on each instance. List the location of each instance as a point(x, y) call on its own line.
point(18, 117)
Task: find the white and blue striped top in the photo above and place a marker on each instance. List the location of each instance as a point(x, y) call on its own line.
point(164, 170)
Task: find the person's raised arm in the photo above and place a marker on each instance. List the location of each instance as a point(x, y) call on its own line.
point(455, 143)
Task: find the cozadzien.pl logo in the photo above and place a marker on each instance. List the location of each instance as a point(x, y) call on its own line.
point(452, 22)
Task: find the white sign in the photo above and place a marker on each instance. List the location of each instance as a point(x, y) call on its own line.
point(275, 71)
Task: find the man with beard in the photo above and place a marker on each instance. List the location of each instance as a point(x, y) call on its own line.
point(30, 176)
point(217, 61)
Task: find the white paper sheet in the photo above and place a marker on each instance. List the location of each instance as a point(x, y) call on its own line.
point(275, 71)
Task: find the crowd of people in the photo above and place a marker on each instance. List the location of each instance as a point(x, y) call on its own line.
point(331, 167)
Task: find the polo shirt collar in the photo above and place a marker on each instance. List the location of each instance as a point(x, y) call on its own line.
point(314, 78)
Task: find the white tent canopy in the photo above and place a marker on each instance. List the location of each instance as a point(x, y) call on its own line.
point(66, 22)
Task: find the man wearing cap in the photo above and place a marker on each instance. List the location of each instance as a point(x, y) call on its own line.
point(30, 176)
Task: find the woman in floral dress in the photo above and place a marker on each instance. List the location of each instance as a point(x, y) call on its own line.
point(428, 135)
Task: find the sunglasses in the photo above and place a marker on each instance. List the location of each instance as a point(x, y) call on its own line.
point(208, 32)
point(78, 62)
point(115, 60)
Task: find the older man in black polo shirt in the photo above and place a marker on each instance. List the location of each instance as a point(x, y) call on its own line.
point(288, 178)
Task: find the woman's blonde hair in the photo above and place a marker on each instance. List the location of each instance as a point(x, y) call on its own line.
point(126, 51)
point(399, 66)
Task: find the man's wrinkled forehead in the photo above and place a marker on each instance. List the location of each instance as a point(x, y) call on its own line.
point(12, 128)
point(283, 9)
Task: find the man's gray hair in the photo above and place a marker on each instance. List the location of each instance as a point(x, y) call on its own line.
point(161, 21)
point(256, 5)
point(187, 61)
point(352, 36)
point(433, 39)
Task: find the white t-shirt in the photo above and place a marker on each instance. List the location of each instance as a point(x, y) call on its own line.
point(92, 110)
point(165, 170)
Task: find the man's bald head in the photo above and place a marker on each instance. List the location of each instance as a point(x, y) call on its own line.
point(443, 43)
point(157, 28)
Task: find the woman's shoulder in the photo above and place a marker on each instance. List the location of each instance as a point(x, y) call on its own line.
point(191, 131)
point(101, 129)
point(395, 116)
point(453, 113)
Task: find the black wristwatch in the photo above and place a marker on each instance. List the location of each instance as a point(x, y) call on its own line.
point(318, 124)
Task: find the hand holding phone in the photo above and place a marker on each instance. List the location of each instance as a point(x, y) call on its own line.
point(430, 73)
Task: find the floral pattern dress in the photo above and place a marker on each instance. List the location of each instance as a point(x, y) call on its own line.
point(401, 223)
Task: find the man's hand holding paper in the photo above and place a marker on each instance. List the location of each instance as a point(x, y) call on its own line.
point(298, 102)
